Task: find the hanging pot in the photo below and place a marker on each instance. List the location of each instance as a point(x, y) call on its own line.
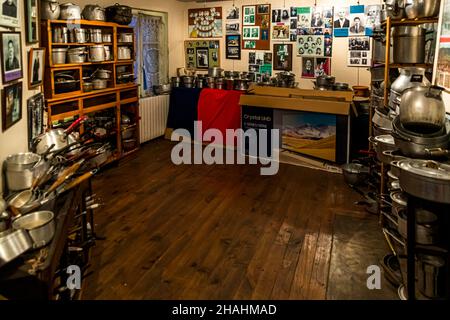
point(50, 10)
point(422, 8)
point(70, 11)
point(94, 12)
point(425, 179)
point(422, 109)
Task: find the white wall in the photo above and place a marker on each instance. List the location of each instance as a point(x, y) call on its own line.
point(15, 139)
point(351, 75)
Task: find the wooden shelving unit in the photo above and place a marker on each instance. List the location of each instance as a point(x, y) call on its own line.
point(117, 99)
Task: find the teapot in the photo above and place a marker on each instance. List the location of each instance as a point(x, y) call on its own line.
point(50, 9)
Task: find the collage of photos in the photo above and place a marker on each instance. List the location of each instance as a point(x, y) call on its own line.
point(358, 20)
point(314, 43)
point(205, 22)
point(203, 54)
point(359, 52)
point(260, 66)
point(256, 27)
point(293, 25)
point(232, 21)
point(315, 67)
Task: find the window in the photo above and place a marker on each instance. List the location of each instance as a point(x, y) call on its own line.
point(151, 66)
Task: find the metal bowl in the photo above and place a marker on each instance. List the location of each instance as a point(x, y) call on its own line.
point(40, 226)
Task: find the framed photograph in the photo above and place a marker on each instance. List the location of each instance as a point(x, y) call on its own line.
point(32, 21)
point(11, 105)
point(9, 13)
point(36, 67)
point(11, 53)
point(282, 57)
point(202, 58)
point(35, 110)
point(233, 47)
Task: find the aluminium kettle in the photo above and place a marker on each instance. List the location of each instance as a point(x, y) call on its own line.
point(50, 9)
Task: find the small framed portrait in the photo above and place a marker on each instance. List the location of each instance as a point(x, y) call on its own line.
point(233, 47)
point(9, 13)
point(36, 66)
point(282, 57)
point(11, 105)
point(202, 58)
point(32, 21)
point(35, 110)
point(11, 54)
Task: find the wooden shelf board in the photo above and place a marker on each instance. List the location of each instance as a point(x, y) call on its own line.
point(130, 152)
point(89, 23)
point(55, 66)
point(124, 61)
point(418, 65)
point(99, 107)
point(411, 21)
point(130, 100)
point(125, 43)
point(91, 93)
point(72, 44)
point(62, 116)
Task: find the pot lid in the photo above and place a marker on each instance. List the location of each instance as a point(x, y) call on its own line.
point(354, 168)
point(386, 139)
point(426, 168)
point(399, 197)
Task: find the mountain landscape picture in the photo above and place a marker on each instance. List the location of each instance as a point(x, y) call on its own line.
point(311, 134)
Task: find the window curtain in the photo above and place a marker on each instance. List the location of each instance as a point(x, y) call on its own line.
point(152, 57)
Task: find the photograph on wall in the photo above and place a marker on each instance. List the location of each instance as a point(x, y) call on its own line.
point(267, 57)
point(35, 110)
point(249, 44)
point(263, 9)
point(310, 45)
point(9, 13)
point(266, 71)
point(232, 28)
point(36, 66)
point(442, 73)
point(359, 52)
point(341, 22)
point(322, 66)
point(11, 52)
point(253, 68)
point(201, 54)
point(308, 68)
point(250, 33)
point(31, 21)
point(233, 13)
point(293, 24)
point(357, 21)
point(280, 32)
point(309, 133)
point(276, 15)
point(11, 105)
point(233, 47)
point(205, 22)
point(293, 36)
point(372, 18)
point(249, 15)
point(304, 17)
point(282, 57)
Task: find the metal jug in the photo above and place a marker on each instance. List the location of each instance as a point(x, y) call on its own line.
point(50, 9)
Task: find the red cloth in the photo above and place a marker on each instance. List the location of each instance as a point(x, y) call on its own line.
point(219, 109)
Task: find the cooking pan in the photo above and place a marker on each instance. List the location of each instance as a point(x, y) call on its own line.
point(13, 245)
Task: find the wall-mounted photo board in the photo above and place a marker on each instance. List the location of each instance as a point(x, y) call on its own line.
point(256, 27)
point(202, 54)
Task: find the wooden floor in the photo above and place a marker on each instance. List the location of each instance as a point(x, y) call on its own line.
point(214, 232)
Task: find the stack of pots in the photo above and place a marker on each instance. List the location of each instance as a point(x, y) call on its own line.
point(210, 82)
point(409, 77)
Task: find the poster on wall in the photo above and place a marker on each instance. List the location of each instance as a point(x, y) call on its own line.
point(442, 73)
point(256, 27)
point(315, 67)
point(359, 52)
point(372, 17)
point(202, 54)
point(282, 57)
point(341, 22)
point(303, 17)
point(314, 42)
point(9, 13)
point(357, 21)
point(308, 133)
point(205, 22)
point(233, 47)
point(322, 17)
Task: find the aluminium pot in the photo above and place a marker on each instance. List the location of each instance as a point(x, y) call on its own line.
point(22, 169)
point(40, 225)
point(425, 179)
point(59, 55)
point(215, 72)
point(94, 12)
point(383, 143)
point(432, 277)
point(355, 173)
point(427, 226)
point(422, 8)
point(99, 84)
point(119, 14)
point(408, 78)
point(107, 37)
point(395, 9)
point(88, 86)
point(399, 201)
point(77, 55)
point(126, 37)
point(97, 53)
point(13, 244)
point(325, 81)
point(95, 35)
point(123, 53)
point(127, 132)
point(409, 44)
point(422, 109)
point(50, 10)
point(70, 11)
point(102, 74)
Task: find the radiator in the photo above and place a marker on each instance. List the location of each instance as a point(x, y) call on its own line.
point(153, 112)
